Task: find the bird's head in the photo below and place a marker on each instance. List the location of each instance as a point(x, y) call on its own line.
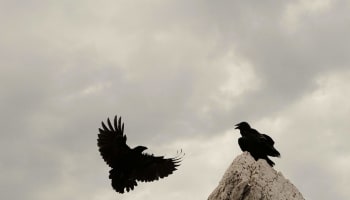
point(242, 126)
point(140, 149)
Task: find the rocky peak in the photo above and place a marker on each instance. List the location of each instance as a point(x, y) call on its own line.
point(247, 179)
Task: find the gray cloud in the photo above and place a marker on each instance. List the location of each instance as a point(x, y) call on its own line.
point(181, 74)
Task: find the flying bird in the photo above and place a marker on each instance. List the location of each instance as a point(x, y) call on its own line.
point(260, 146)
point(130, 165)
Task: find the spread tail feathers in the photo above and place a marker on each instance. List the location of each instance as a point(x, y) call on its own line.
point(121, 182)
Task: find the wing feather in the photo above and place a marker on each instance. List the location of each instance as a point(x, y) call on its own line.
point(268, 143)
point(110, 125)
point(267, 138)
point(152, 167)
point(112, 141)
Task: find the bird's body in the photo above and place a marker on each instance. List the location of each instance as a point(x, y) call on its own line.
point(130, 165)
point(260, 146)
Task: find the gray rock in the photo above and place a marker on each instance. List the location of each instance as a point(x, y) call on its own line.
point(247, 179)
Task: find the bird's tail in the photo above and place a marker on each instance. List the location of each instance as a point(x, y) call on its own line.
point(275, 153)
point(121, 181)
point(270, 162)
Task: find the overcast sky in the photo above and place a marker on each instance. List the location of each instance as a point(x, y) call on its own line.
point(181, 74)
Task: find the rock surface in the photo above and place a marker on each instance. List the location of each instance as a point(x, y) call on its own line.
point(247, 179)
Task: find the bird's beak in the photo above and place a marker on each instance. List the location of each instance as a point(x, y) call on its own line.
point(237, 126)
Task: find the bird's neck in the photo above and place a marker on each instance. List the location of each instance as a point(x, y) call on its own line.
point(245, 133)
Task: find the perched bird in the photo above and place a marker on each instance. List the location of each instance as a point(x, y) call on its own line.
point(257, 144)
point(130, 165)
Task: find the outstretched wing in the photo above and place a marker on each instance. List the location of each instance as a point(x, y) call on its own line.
point(111, 141)
point(151, 168)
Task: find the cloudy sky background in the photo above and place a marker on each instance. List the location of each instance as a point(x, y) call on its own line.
point(181, 74)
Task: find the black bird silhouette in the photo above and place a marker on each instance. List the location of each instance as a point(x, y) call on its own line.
point(257, 144)
point(130, 165)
